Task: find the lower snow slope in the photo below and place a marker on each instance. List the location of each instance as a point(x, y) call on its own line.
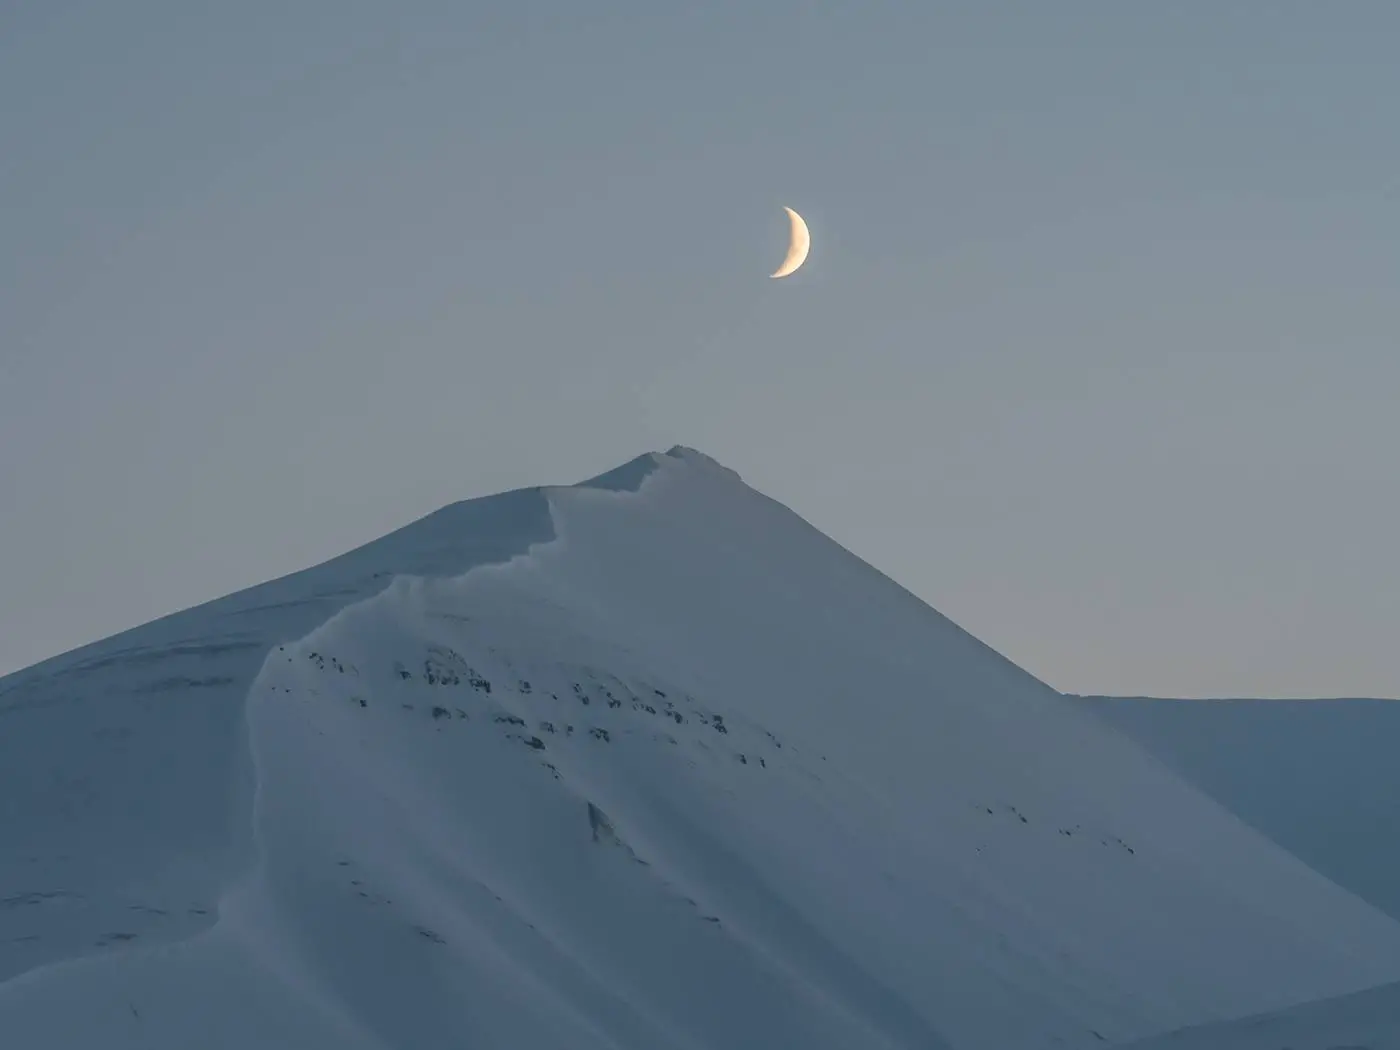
point(1368, 1020)
point(1319, 777)
point(682, 774)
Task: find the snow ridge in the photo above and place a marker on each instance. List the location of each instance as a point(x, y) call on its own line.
point(668, 768)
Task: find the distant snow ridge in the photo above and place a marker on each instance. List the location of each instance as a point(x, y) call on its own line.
point(670, 769)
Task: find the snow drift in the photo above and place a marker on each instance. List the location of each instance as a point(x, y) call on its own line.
point(646, 762)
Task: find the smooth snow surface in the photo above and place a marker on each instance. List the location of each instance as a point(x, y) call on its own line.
point(644, 763)
point(1368, 1020)
point(1319, 777)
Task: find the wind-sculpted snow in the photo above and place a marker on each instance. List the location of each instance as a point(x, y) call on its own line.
point(668, 768)
point(124, 779)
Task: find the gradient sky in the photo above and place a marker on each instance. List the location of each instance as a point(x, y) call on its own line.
point(1096, 350)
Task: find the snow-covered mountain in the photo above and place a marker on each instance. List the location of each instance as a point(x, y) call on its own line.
point(641, 763)
point(1319, 777)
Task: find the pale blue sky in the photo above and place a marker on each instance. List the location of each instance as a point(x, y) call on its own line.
point(1096, 350)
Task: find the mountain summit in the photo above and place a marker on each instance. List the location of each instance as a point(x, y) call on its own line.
point(645, 762)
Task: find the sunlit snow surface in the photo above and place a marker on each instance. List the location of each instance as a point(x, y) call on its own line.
point(644, 763)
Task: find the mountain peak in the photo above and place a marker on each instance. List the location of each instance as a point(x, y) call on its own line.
point(554, 768)
point(628, 477)
point(686, 454)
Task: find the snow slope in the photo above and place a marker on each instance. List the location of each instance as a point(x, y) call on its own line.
point(1319, 777)
point(1368, 1020)
point(642, 763)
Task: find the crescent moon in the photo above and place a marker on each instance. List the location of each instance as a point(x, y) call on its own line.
point(798, 247)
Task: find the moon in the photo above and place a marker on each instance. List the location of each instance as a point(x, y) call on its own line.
point(798, 246)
